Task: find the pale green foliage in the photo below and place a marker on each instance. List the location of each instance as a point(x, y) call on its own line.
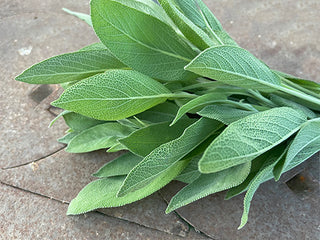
point(235, 66)
point(161, 55)
point(247, 138)
point(71, 67)
point(113, 95)
point(217, 119)
point(207, 184)
point(82, 16)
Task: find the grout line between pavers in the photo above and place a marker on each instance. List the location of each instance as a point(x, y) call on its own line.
point(66, 202)
point(184, 219)
point(36, 160)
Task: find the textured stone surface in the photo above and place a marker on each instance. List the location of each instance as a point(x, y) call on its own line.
point(62, 175)
point(24, 215)
point(276, 211)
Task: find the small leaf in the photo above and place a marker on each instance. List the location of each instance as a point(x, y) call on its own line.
point(102, 193)
point(98, 137)
point(191, 172)
point(70, 67)
point(247, 138)
point(262, 176)
point(303, 146)
point(161, 55)
point(224, 114)
point(82, 16)
point(114, 95)
point(208, 184)
point(235, 66)
point(78, 122)
point(200, 101)
point(144, 140)
point(168, 154)
point(118, 167)
point(68, 137)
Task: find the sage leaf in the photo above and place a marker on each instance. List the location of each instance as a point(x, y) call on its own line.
point(224, 114)
point(200, 101)
point(262, 176)
point(144, 140)
point(84, 17)
point(192, 32)
point(114, 95)
point(163, 112)
point(98, 137)
point(304, 145)
point(71, 67)
point(247, 138)
point(235, 66)
point(68, 137)
point(168, 154)
point(208, 184)
point(191, 172)
point(282, 102)
point(161, 55)
point(119, 166)
point(102, 193)
point(78, 122)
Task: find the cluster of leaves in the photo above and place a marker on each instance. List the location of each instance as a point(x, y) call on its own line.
point(168, 84)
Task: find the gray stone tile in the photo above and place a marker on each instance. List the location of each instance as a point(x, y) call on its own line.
point(62, 175)
point(26, 216)
point(276, 211)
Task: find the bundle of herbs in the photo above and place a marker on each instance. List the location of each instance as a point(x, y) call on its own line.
point(170, 86)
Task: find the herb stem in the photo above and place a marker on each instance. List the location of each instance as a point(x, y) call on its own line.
point(261, 98)
point(298, 94)
point(298, 87)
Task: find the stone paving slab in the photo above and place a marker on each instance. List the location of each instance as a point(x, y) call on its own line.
point(62, 175)
point(24, 215)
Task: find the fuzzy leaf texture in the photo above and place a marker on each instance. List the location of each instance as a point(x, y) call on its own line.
point(162, 54)
point(71, 67)
point(247, 138)
point(235, 66)
point(114, 95)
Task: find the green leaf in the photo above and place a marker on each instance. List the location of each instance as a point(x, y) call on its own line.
point(144, 140)
point(98, 137)
point(262, 176)
point(78, 122)
point(163, 112)
point(70, 67)
point(114, 95)
point(247, 138)
point(168, 154)
point(200, 101)
point(224, 114)
point(120, 166)
point(161, 55)
point(208, 184)
point(82, 16)
point(304, 145)
point(68, 137)
point(191, 172)
point(282, 102)
point(191, 31)
point(102, 193)
point(235, 66)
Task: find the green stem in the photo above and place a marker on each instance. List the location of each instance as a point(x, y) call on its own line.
point(299, 94)
point(298, 87)
point(261, 98)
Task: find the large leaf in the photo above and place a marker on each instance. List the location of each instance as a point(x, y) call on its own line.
point(71, 67)
point(224, 114)
point(247, 138)
point(98, 137)
point(235, 66)
point(119, 166)
point(304, 145)
point(200, 101)
point(154, 49)
point(208, 184)
point(144, 140)
point(262, 176)
point(192, 32)
point(113, 95)
point(102, 193)
point(168, 154)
